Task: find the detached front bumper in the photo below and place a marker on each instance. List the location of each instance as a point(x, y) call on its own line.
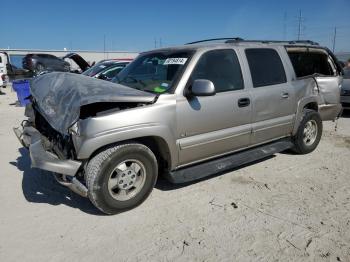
point(40, 157)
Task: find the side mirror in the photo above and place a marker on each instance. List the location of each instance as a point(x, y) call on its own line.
point(203, 87)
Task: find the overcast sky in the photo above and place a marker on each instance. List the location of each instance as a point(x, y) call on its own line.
point(140, 25)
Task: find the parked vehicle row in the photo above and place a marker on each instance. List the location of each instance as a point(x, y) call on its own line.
point(185, 112)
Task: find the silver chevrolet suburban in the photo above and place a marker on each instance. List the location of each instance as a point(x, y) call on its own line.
point(184, 112)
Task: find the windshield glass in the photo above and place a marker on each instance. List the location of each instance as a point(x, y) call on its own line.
point(96, 69)
point(154, 72)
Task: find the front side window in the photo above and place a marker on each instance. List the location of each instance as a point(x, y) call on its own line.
point(222, 68)
point(155, 72)
point(265, 66)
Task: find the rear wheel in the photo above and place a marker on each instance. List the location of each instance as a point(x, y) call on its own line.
point(121, 177)
point(309, 132)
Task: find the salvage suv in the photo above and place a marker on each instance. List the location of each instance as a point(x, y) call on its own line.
point(186, 112)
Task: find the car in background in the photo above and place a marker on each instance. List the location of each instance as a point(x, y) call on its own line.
point(77, 63)
point(2, 70)
point(106, 70)
point(38, 63)
point(345, 90)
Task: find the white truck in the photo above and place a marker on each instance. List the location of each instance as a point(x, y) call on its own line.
point(3, 69)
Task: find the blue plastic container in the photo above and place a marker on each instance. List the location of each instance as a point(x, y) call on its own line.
point(22, 89)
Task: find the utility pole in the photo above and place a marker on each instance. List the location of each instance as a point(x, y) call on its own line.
point(334, 37)
point(155, 42)
point(285, 26)
point(104, 45)
point(299, 24)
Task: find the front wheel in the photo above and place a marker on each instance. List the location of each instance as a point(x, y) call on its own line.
point(309, 132)
point(121, 177)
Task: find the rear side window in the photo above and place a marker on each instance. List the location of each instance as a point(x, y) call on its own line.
point(222, 68)
point(266, 67)
point(310, 61)
point(0, 59)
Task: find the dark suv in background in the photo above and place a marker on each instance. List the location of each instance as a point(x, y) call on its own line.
point(38, 63)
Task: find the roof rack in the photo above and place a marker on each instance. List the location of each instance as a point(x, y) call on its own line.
point(292, 42)
point(238, 39)
point(216, 39)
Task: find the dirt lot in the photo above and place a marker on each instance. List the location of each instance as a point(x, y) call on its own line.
point(285, 208)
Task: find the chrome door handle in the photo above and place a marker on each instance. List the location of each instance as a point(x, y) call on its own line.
point(285, 95)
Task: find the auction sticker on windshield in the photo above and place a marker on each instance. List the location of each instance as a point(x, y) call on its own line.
point(175, 61)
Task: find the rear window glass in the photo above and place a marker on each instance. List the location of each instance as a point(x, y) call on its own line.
point(307, 63)
point(266, 67)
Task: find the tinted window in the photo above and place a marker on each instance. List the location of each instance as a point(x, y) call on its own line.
point(266, 67)
point(307, 63)
point(222, 68)
point(0, 59)
point(112, 72)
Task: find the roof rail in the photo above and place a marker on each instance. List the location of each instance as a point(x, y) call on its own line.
point(217, 39)
point(292, 42)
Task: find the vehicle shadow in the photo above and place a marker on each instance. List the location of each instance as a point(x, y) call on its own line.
point(40, 186)
point(164, 185)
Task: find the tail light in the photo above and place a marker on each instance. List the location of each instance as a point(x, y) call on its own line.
point(3, 77)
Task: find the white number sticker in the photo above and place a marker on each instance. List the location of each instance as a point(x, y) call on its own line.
point(175, 61)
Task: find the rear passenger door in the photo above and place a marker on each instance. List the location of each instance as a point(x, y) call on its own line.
point(272, 95)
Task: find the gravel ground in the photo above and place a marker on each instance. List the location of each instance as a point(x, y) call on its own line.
point(285, 208)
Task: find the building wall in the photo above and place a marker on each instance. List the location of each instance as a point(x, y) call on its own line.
point(16, 55)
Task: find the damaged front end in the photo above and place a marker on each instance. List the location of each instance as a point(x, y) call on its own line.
point(50, 151)
point(59, 102)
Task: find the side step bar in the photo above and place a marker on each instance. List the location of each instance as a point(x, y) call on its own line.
point(211, 167)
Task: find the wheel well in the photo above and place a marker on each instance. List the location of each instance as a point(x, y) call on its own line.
point(157, 144)
point(312, 105)
point(160, 149)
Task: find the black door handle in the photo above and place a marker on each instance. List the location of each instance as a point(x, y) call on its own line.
point(243, 102)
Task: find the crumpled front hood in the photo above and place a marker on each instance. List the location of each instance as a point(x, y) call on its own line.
point(59, 96)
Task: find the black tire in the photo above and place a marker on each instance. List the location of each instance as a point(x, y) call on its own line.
point(300, 146)
point(101, 166)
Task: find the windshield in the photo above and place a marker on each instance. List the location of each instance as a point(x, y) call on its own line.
point(155, 72)
point(96, 69)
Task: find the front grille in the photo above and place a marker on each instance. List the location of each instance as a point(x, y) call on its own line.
point(61, 144)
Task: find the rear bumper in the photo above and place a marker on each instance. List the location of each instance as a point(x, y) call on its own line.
point(329, 111)
point(40, 157)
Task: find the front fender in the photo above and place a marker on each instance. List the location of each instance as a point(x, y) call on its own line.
point(86, 146)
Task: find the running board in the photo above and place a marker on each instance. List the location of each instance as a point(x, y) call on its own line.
point(211, 167)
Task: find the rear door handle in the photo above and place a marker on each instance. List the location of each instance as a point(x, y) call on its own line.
point(243, 102)
point(285, 95)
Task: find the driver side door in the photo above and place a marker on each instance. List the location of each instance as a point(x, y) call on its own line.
point(208, 126)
